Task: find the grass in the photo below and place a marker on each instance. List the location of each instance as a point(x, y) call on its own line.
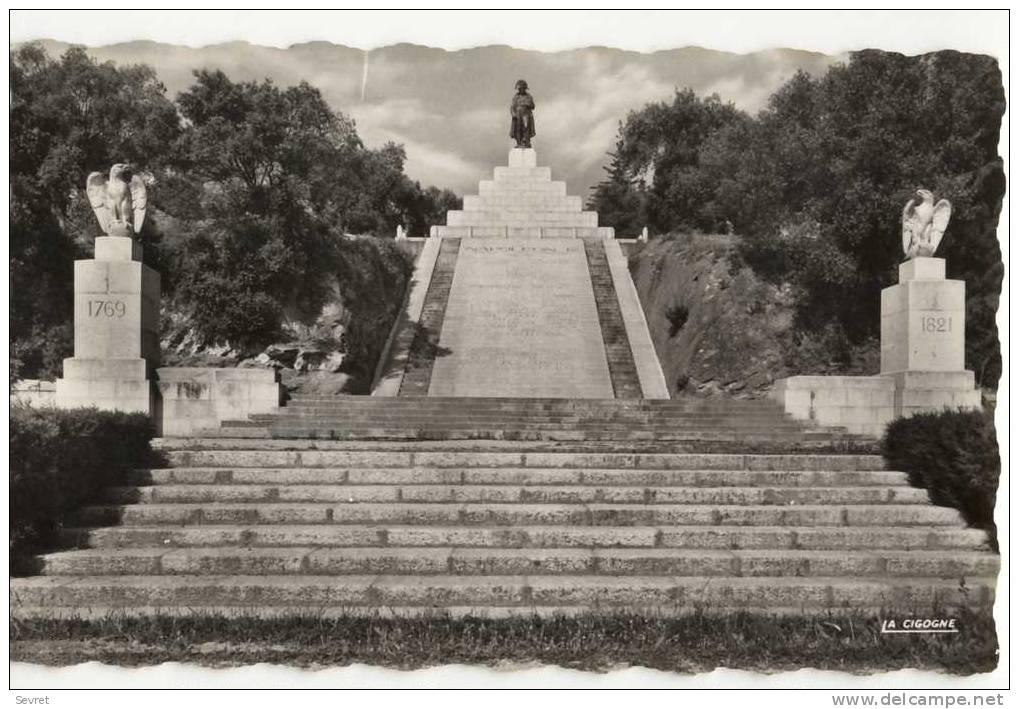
point(699, 642)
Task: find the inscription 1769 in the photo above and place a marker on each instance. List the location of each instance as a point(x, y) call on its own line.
point(107, 308)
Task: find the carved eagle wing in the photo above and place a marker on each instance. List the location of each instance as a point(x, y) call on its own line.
point(912, 229)
point(939, 222)
point(139, 200)
point(95, 188)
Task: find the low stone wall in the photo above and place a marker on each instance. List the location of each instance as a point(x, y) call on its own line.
point(195, 398)
point(862, 405)
point(34, 392)
point(865, 405)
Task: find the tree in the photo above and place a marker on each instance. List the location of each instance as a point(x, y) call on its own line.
point(616, 199)
point(68, 117)
point(659, 149)
point(258, 244)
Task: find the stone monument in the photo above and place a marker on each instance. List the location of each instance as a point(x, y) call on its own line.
point(923, 324)
point(923, 318)
point(522, 116)
point(116, 305)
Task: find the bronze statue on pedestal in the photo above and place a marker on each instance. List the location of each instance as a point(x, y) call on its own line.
point(522, 113)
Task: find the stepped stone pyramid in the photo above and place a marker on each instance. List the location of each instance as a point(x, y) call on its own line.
point(522, 202)
point(521, 295)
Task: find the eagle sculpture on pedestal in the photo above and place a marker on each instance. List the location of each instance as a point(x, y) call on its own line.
point(923, 224)
point(119, 201)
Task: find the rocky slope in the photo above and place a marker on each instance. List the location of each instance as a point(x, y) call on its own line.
point(718, 331)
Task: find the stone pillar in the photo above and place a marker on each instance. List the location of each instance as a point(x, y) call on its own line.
point(523, 157)
point(116, 330)
point(923, 324)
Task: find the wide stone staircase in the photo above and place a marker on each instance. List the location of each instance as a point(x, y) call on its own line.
point(277, 526)
point(724, 422)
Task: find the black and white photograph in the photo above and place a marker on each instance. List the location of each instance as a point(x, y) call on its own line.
point(499, 349)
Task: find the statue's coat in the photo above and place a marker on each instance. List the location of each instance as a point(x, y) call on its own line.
point(522, 126)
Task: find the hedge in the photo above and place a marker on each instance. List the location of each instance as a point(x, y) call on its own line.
point(954, 456)
point(60, 459)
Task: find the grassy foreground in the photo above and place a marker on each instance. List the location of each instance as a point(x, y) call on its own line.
point(696, 643)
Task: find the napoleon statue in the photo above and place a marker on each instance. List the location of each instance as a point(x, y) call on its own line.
point(522, 113)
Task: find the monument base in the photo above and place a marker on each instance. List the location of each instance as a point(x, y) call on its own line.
point(918, 392)
point(107, 384)
point(116, 331)
point(865, 405)
point(923, 320)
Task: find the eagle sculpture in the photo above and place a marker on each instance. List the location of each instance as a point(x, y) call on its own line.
point(118, 201)
point(923, 224)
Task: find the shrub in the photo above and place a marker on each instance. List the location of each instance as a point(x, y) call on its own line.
point(954, 456)
point(60, 459)
point(677, 316)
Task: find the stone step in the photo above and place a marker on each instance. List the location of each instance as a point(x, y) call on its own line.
point(270, 561)
point(728, 537)
point(611, 418)
point(562, 407)
point(512, 218)
point(633, 418)
point(497, 401)
point(517, 402)
point(546, 494)
point(197, 441)
point(503, 173)
point(523, 202)
point(595, 514)
point(822, 439)
point(686, 423)
point(246, 432)
point(523, 232)
point(314, 454)
point(533, 477)
point(48, 594)
point(425, 405)
point(490, 188)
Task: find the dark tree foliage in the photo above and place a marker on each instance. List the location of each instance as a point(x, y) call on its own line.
point(656, 170)
point(258, 242)
point(815, 184)
point(617, 199)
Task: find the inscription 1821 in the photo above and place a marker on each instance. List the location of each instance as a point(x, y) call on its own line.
point(935, 324)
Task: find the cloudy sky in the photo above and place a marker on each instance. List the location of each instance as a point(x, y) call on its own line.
point(450, 108)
